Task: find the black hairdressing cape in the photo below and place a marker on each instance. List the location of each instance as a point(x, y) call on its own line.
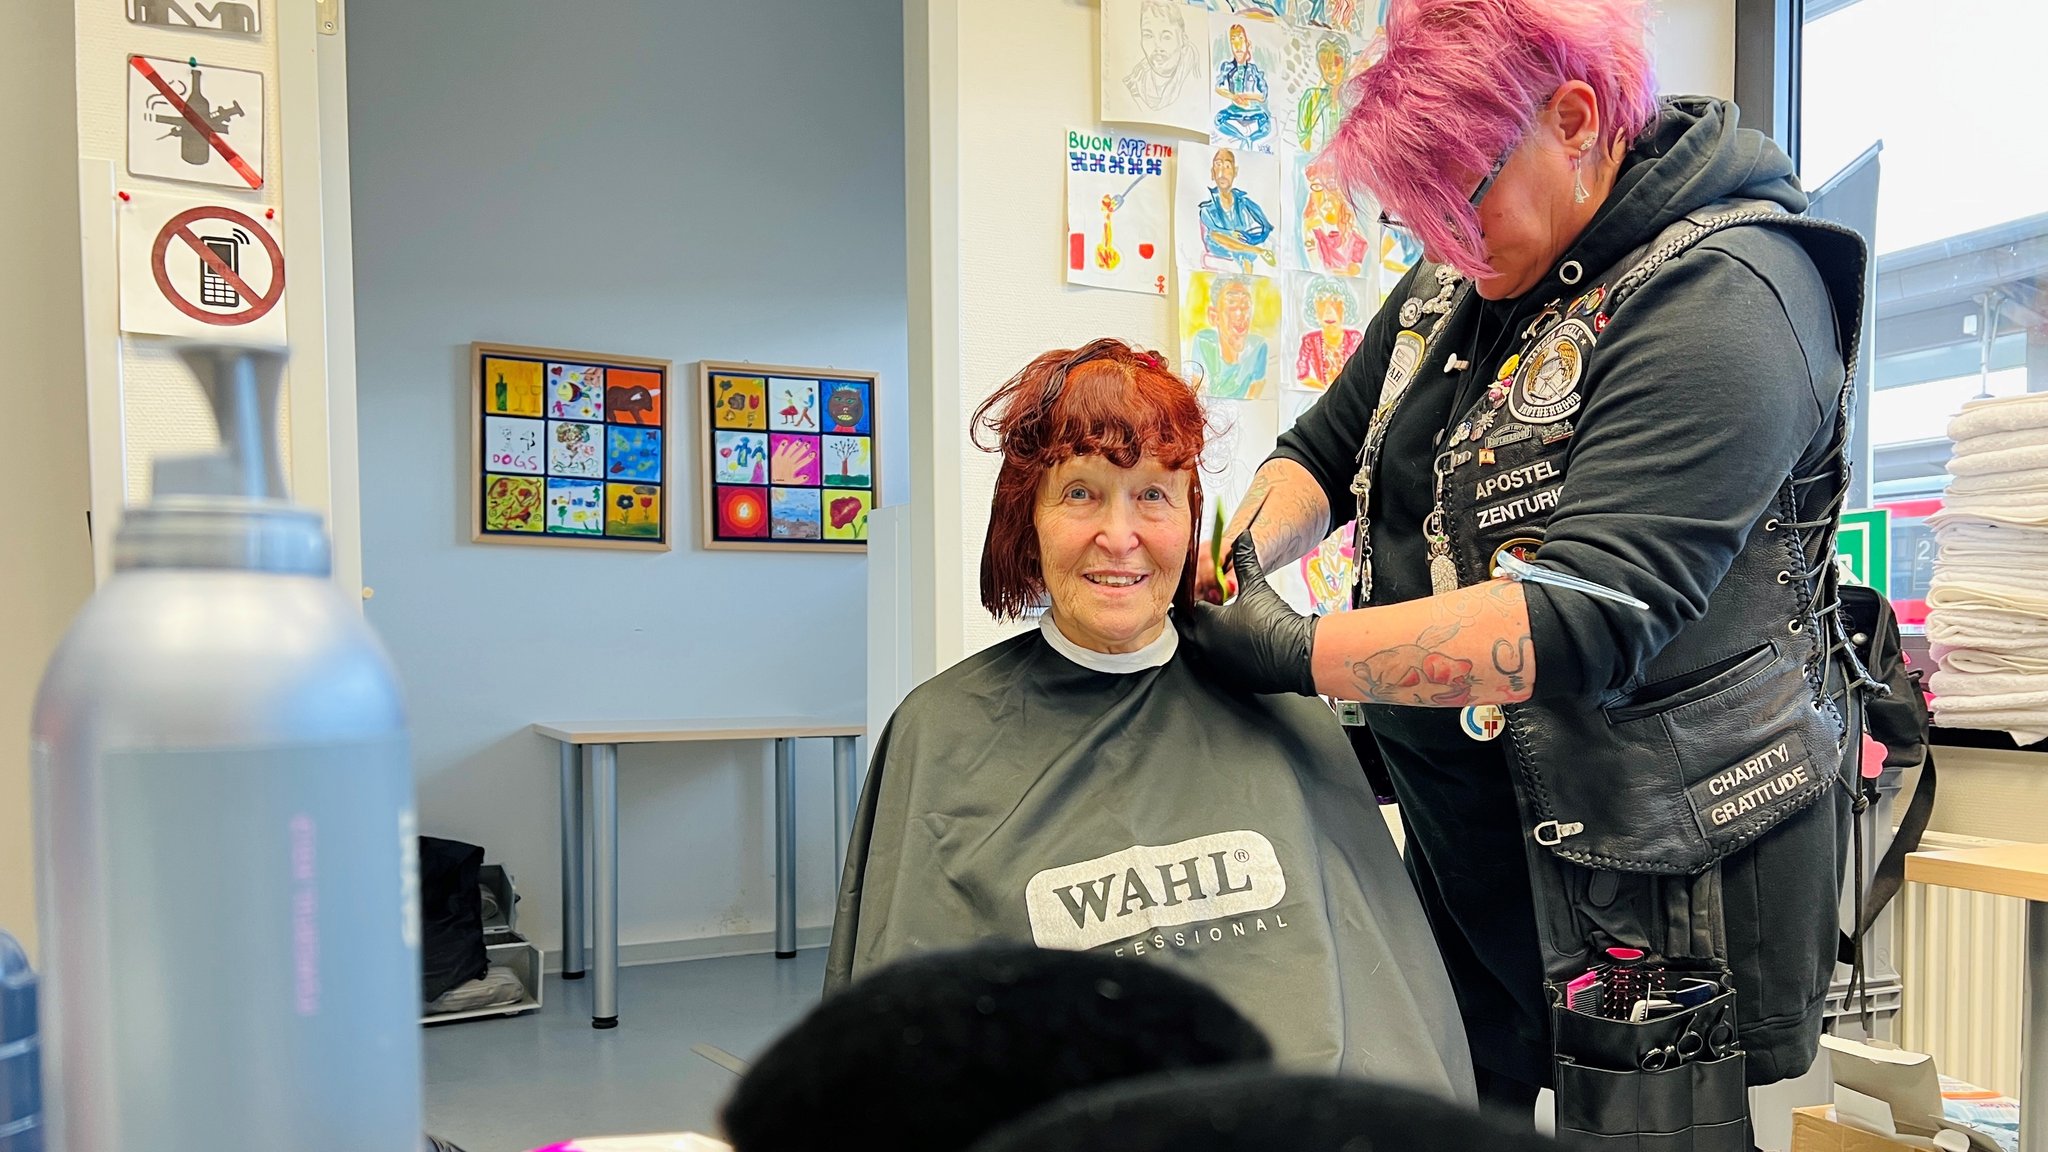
point(1153, 814)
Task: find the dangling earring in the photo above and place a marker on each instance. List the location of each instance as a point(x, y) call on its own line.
point(1579, 193)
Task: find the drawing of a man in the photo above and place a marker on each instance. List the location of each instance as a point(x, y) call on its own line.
point(1245, 118)
point(1320, 111)
point(1232, 356)
point(1169, 61)
point(1234, 227)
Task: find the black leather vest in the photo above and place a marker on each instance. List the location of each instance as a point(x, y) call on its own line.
point(1728, 731)
point(1649, 813)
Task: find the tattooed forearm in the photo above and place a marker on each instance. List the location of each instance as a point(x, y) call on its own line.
point(1292, 514)
point(1512, 660)
point(1471, 646)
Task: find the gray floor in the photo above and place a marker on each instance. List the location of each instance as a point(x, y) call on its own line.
point(514, 1083)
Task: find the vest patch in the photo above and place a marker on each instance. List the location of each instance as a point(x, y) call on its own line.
point(1401, 365)
point(1538, 503)
point(1514, 479)
point(1546, 389)
point(1755, 791)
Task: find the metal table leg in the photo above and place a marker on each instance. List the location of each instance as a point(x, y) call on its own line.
point(2034, 1040)
point(572, 864)
point(785, 847)
point(603, 763)
point(845, 792)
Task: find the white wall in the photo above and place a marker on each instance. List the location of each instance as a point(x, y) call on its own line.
point(988, 295)
point(1695, 46)
point(679, 181)
point(987, 201)
point(46, 562)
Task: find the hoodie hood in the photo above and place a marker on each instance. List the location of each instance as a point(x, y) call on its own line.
point(1695, 154)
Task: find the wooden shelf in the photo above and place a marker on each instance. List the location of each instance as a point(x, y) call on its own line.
point(2019, 870)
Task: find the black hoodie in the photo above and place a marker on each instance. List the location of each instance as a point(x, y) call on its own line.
point(1716, 380)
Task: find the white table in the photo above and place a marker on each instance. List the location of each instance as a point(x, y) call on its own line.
point(2019, 870)
point(599, 744)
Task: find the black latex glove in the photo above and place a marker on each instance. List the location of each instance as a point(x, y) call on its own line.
point(1256, 641)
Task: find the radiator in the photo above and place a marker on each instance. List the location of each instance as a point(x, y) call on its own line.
point(1961, 957)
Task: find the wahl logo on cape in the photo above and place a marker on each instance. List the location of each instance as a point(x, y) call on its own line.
point(1758, 784)
point(1143, 887)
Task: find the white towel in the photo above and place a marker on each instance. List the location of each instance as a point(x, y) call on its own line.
point(1965, 547)
point(2029, 515)
point(1951, 682)
point(2001, 441)
point(2024, 725)
point(2000, 414)
point(2032, 458)
point(1989, 633)
point(2035, 484)
point(2030, 658)
point(2024, 601)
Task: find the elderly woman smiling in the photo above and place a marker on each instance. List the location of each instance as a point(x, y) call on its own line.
point(1088, 785)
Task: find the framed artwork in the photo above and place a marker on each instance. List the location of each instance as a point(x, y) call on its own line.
point(791, 457)
point(568, 448)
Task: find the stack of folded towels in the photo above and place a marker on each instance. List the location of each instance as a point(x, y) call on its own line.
point(1987, 608)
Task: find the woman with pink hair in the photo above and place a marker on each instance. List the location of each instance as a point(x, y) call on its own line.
point(1594, 447)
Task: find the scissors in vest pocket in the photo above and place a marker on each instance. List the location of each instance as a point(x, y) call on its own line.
point(1717, 1042)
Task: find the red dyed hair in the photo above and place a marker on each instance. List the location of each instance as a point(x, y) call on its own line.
point(1105, 399)
point(1457, 84)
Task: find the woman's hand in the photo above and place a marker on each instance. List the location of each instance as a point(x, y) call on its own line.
point(1256, 641)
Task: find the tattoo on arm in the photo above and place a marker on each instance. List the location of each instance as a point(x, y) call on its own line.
point(1441, 667)
point(1406, 673)
point(1511, 660)
point(1292, 516)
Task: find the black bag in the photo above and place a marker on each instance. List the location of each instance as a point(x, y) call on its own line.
point(451, 916)
point(1895, 715)
point(1673, 1084)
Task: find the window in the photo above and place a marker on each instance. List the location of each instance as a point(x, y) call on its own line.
point(1920, 125)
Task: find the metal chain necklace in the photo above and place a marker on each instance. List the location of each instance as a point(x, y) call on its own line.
point(1402, 368)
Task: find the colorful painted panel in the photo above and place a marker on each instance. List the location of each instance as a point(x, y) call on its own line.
point(575, 507)
point(571, 448)
point(797, 514)
point(791, 457)
point(632, 511)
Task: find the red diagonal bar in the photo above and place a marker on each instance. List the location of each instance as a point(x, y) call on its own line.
point(212, 260)
point(198, 122)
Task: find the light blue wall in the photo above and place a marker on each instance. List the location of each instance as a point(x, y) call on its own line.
point(678, 179)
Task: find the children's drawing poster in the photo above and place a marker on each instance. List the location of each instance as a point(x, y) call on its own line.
point(1230, 334)
point(791, 457)
point(1119, 207)
point(1227, 210)
point(1325, 232)
point(1325, 321)
point(1247, 58)
point(1155, 65)
point(571, 448)
point(1308, 94)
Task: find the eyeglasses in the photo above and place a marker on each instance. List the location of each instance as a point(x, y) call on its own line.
point(1478, 194)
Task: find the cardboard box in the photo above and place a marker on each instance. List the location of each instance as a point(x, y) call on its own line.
point(1813, 1130)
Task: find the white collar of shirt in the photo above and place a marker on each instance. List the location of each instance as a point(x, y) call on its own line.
point(1153, 655)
